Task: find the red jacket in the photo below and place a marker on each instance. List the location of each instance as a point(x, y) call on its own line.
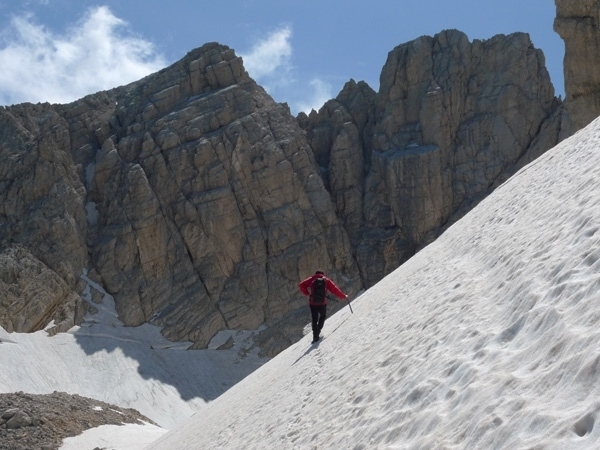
point(306, 285)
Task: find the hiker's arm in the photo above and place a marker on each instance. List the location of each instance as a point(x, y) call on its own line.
point(332, 287)
point(304, 286)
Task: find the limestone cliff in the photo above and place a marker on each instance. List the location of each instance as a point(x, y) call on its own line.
point(191, 196)
point(452, 120)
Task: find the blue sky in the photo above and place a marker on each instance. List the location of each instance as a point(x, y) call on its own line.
point(301, 51)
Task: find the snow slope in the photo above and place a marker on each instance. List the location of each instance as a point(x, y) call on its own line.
point(129, 367)
point(489, 338)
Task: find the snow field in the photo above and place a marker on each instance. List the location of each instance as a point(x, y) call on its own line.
point(132, 367)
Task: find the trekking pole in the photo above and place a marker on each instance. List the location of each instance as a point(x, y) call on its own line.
point(349, 305)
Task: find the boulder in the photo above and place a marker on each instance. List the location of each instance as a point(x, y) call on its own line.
point(20, 419)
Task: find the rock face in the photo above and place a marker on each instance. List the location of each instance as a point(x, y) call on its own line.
point(452, 120)
point(577, 23)
point(42, 221)
point(32, 295)
point(199, 203)
point(191, 196)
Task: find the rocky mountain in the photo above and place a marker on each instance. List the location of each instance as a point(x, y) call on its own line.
point(199, 203)
point(190, 195)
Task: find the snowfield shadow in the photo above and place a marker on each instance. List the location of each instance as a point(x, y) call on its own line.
point(132, 367)
point(194, 373)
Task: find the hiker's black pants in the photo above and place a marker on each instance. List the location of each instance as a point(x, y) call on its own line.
point(319, 314)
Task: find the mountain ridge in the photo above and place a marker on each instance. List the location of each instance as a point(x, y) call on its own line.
point(198, 202)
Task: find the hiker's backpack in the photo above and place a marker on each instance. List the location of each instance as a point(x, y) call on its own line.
point(319, 286)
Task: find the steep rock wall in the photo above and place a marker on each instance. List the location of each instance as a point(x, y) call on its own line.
point(452, 120)
point(191, 196)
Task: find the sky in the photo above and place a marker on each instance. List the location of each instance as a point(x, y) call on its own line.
point(301, 52)
point(487, 338)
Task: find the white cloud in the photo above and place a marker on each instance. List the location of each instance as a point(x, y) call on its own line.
point(270, 57)
point(269, 62)
point(98, 53)
point(321, 93)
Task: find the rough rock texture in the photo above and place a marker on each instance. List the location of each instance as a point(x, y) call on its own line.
point(209, 205)
point(199, 203)
point(577, 23)
point(29, 421)
point(191, 196)
point(32, 296)
point(452, 120)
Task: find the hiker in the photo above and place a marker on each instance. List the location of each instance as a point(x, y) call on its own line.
point(316, 287)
